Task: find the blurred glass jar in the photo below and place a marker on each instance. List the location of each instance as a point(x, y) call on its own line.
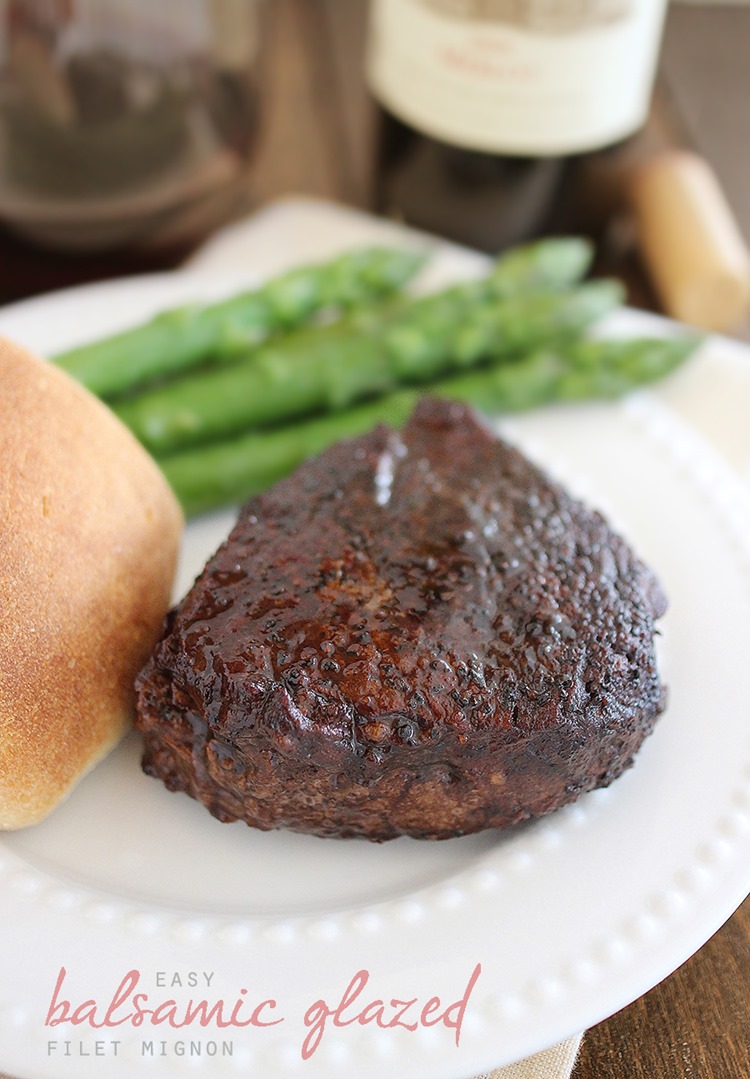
point(125, 123)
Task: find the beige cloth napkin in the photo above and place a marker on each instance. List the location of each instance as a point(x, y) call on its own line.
point(554, 1063)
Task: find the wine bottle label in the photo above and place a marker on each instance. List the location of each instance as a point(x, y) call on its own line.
point(530, 77)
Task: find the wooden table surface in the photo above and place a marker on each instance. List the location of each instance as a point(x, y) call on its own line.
point(316, 139)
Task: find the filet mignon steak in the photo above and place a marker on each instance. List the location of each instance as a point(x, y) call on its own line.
point(418, 633)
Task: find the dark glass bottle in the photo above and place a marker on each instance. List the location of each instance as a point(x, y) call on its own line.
point(487, 108)
point(488, 201)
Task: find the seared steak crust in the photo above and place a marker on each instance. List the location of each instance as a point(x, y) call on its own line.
point(417, 633)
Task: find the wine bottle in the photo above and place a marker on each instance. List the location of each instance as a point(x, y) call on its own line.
point(484, 104)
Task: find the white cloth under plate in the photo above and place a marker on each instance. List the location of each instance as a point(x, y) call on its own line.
point(554, 1063)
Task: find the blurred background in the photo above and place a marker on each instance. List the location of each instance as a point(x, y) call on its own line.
point(130, 131)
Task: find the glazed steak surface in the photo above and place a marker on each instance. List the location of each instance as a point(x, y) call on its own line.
point(417, 633)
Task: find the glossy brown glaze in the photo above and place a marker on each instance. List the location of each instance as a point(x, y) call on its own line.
point(417, 633)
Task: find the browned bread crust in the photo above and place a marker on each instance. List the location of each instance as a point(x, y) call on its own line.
point(89, 532)
point(417, 633)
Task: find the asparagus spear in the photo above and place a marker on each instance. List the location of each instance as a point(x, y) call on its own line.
point(330, 368)
point(207, 477)
point(184, 337)
point(555, 262)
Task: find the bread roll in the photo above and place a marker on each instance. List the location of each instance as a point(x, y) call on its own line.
point(89, 535)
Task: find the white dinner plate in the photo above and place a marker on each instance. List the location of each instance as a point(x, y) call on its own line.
point(569, 918)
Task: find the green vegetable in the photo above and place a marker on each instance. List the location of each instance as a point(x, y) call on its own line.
point(207, 477)
point(330, 368)
point(556, 262)
point(184, 337)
